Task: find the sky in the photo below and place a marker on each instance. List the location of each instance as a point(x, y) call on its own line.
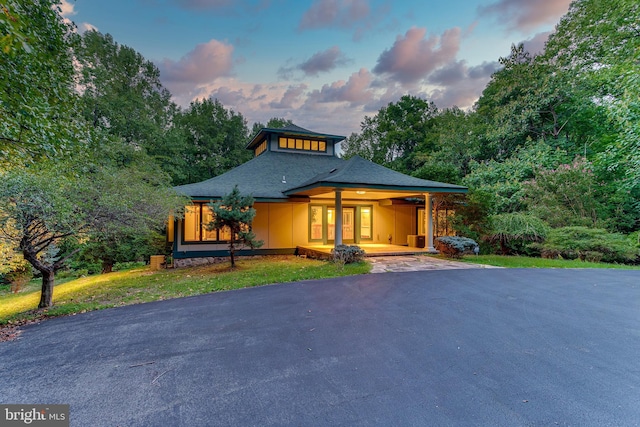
point(324, 64)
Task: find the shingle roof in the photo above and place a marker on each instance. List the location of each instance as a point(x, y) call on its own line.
point(358, 172)
point(262, 177)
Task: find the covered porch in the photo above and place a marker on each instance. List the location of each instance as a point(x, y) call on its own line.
point(370, 249)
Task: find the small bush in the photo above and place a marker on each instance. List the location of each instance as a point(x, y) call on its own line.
point(587, 244)
point(455, 246)
point(514, 232)
point(346, 254)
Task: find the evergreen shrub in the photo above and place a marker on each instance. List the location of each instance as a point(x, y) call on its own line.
point(455, 246)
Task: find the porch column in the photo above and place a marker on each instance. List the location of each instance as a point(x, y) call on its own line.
point(338, 221)
point(428, 222)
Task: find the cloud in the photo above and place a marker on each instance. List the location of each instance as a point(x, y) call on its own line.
point(205, 63)
point(290, 97)
point(412, 57)
point(458, 84)
point(320, 62)
point(67, 8)
point(334, 13)
point(525, 15)
point(355, 91)
point(323, 61)
point(535, 45)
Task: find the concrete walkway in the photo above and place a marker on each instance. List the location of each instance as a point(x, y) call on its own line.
point(398, 264)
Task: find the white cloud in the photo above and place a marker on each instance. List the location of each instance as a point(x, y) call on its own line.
point(413, 57)
point(203, 65)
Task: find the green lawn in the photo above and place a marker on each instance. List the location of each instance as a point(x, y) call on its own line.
point(529, 262)
point(142, 285)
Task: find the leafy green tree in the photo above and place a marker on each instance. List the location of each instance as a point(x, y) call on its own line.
point(39, 211)
point(122, 95)
point(504, 179)
point(235, 212)
point(451, 145)
point(36, 82)
point(567, 195)
point(53, 202)
point(390, 137)
point(215, 139)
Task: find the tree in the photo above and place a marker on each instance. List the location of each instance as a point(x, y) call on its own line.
point(215, 139)
point(390, 137)
point(504, 179)
point(569, 195)
point(52, 202)
point(235, 212)
point(122, 95)
point(36, 82)
point(39, 211)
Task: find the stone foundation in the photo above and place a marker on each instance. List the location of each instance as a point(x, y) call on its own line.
point(192, 262)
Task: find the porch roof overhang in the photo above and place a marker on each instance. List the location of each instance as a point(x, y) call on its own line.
point(369, 191)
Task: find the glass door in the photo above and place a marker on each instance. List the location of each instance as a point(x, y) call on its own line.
point(348, 225)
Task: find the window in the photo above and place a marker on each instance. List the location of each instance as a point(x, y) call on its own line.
point(315, 222)
point(302, 144)
point(365, 223)
point(194, 225)
point(261, 148)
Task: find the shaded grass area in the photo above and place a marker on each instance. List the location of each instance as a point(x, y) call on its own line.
point(142, 285)
point(530, 262)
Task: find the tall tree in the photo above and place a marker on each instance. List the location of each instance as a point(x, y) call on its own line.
point(36, 82)
point(390, 137)
point(215, 139)
point(122, 95)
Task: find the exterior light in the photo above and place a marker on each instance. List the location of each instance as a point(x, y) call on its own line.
point(360, 192)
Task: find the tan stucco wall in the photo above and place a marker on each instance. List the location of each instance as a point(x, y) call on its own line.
point(394, 221)
point(285, 225)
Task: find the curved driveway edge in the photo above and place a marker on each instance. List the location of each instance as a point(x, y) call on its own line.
point(499, 347)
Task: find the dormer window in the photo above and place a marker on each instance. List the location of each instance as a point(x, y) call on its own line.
point(302, 144)
point(261, 148)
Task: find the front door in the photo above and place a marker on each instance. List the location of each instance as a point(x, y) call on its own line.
point(348, 225)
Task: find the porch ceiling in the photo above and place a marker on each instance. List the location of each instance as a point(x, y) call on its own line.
point(363, 194)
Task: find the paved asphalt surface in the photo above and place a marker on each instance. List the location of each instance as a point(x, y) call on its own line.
point(499, 347)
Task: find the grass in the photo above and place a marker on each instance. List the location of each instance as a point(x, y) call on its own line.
point(530, 262)
point(140, 285)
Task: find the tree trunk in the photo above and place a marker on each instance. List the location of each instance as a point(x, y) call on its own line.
point(46, 295)
point(107, 266)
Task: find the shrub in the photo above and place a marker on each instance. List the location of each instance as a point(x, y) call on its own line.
point(587, 244)
point(346, 254)
point(455, 246)
point(516, 231)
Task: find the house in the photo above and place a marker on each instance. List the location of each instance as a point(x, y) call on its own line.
point(307, 196)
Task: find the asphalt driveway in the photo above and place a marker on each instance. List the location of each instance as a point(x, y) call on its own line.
point(497, 347)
